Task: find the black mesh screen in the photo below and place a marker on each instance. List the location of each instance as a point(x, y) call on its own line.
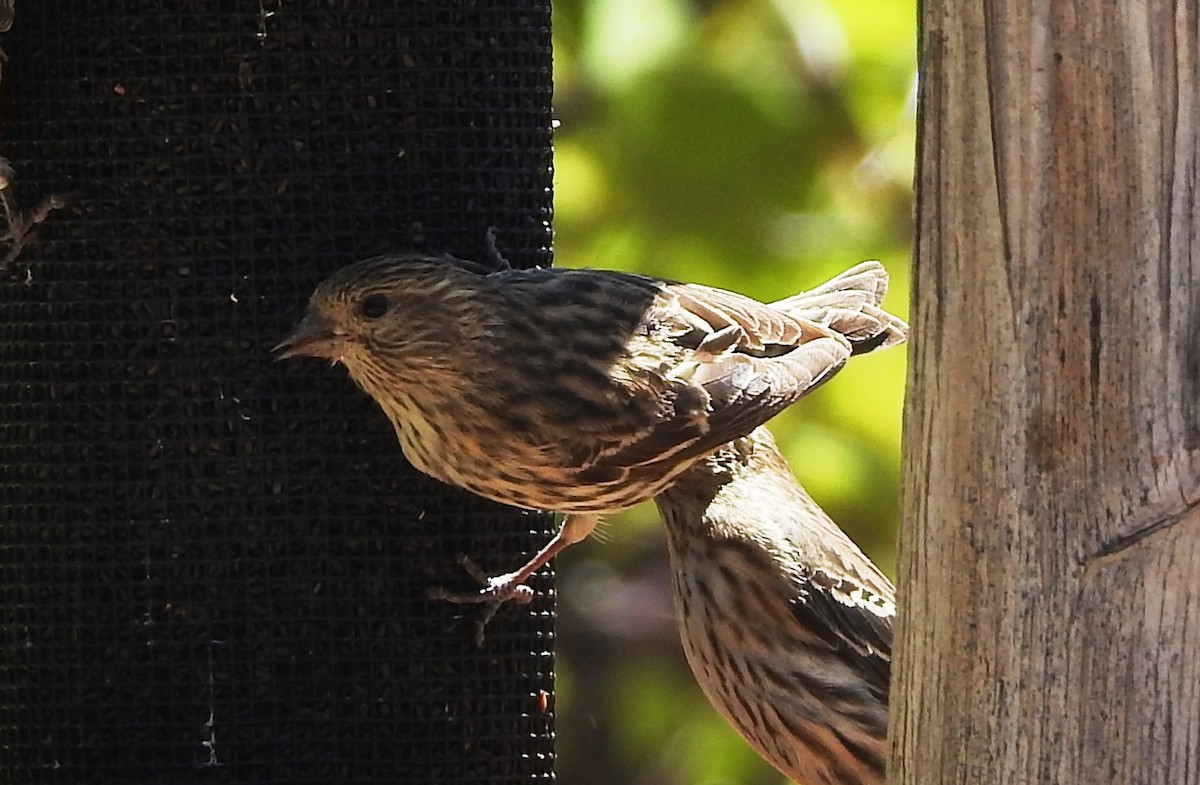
point(213, 566)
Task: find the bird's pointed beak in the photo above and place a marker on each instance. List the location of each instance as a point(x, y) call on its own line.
point(313, 337)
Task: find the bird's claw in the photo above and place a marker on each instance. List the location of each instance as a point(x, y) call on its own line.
point(496, 592)
point(493, 251)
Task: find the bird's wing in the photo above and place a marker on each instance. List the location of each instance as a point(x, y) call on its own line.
point(737, 363)
point(850, 620)
point(869, 279)
point(849, 304)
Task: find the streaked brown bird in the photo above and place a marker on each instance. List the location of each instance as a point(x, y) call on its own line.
point(786, 624)
point(574, 391)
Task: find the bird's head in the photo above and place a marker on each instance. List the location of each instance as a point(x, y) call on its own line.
point(392, 319)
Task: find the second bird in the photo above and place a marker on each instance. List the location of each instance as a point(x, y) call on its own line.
point(575, 391)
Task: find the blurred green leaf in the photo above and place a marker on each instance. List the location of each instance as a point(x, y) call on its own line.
point(761, 146)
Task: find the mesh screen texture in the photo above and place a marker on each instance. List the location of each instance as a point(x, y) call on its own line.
point(213, 566)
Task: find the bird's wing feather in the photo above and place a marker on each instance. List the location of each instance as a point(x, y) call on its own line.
point(747, 391)
point(867, 278)
point(833, 608)
point(849, 304)
point(740, 363)
point(761, 324)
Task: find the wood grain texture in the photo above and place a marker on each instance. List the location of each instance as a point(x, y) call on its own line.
point(1049, 593)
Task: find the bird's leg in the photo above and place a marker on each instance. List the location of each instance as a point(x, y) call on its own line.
point(511, 586)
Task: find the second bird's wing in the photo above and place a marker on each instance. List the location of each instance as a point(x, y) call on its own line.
point(842, 613)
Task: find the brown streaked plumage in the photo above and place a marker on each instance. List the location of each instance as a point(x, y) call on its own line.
point(786, 624)
point(575, 391)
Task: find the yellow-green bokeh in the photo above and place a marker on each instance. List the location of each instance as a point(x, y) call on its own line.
point(756, 145)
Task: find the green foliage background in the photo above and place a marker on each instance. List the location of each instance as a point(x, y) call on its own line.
point(756, 145)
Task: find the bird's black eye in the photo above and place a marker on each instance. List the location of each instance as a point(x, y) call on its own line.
point(374, 305)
